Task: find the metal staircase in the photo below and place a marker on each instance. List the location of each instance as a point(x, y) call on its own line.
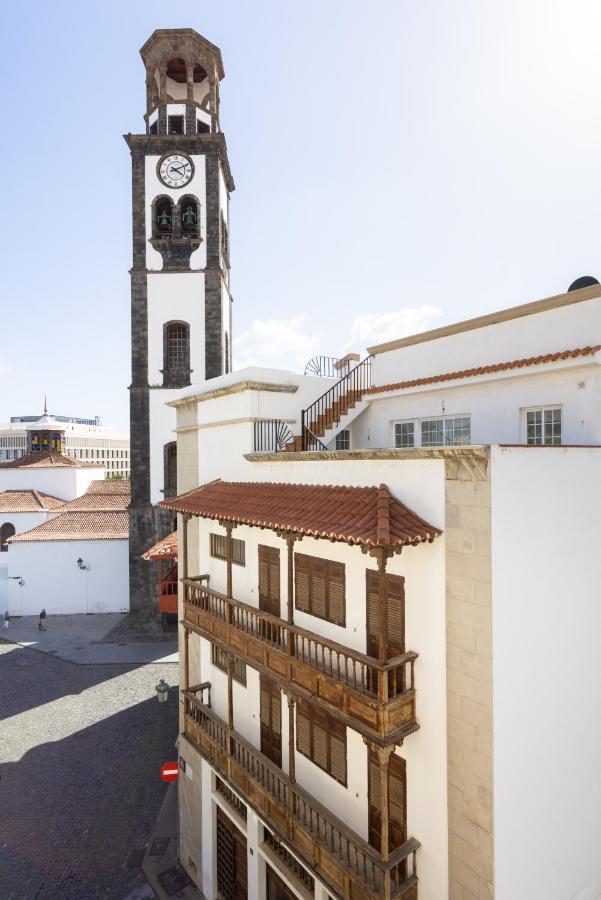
point(328, 410)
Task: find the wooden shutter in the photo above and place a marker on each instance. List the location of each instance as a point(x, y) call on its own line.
point(397, 802)
point(303, 728)
point(336, 598)
point(319, 588)
point(338, 751)
point(269, 579)
point(301, 587)
point(395, 586)
point(320, 739)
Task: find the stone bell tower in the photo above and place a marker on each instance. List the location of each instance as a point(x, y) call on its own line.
point(180, 277)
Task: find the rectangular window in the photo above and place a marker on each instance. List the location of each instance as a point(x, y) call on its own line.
point(404, 434)
point(320, 588)
point(543, 426)
point(343, 440)
point(219, 549)
point(154, 127)
point(321, 739)
point(450, 431)
point(219, 658)
point(176, 124)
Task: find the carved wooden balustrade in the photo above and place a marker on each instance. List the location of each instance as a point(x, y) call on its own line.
point(379, 698)
point(340, 856)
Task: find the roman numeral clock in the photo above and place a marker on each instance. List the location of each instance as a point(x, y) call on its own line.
point(180, 278)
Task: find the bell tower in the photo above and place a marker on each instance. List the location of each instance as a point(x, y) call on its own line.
point(180, 277)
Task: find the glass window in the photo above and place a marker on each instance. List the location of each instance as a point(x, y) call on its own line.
point(177, 347)
point(176, 124)
point(219, 658)
point(404, 434)
point(219, 549)
point(343, 440)
point(433, 433)
point(457, 431)
point(543, 426)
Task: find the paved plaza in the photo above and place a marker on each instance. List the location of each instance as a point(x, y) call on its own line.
point(80, 752)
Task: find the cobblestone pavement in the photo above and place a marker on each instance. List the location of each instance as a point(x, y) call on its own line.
point(80, 752)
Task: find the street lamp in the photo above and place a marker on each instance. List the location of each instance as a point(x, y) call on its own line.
point(162, 689)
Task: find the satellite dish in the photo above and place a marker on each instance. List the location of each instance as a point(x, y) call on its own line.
point(582, 282)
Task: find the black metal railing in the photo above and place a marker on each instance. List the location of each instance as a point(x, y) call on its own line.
point(327, 410)
point(271, 435)
point(323, 366)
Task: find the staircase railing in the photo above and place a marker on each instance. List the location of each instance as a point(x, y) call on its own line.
point(323, 366)
point(270, 435)
point(326, 411)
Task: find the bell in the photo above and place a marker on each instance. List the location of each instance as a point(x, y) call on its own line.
point(189, 217)
point(164, 219)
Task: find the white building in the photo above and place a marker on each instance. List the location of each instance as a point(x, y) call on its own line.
point(442, 703)
point(84, 439)
point(63, 531)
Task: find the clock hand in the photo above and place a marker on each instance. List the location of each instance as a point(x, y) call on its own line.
point(178, 169)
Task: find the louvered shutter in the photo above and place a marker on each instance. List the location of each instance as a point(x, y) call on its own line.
point(396, 615)
point(336, 599)
point(319, 587)
point(274, 575)
point(303, 728)
point(263, 573)
point(397, 802)
point(320, 739)
point(265, 705)
point(276, 711)
point(373, 611)
point(338, 751)
point(301, 592)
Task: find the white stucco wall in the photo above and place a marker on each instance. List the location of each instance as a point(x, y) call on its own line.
point(54, 581)
point(563, 328)
point(66, 482)
point(495, 406)
point(546, 571)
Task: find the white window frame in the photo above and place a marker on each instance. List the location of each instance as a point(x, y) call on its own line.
point(417, 429)
point(541, 409)
point(343, 431)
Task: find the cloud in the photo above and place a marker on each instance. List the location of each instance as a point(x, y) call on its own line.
point(287, 343)
point(277, 344)
point(377, 328)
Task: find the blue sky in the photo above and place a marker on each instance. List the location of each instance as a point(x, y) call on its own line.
point(398, 165)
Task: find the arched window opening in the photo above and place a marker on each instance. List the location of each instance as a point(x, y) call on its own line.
point(163, 216)
point(170, 463)
point(199, 73)
point(189, 216)
point(6, 531)
point(57, 444)
point(176, 354)
point(202, 127)
point(176, 70)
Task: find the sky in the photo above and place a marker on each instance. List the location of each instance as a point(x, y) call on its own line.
point(398, 166)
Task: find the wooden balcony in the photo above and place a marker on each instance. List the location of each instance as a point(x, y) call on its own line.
point(376, 699)
point(342, 858)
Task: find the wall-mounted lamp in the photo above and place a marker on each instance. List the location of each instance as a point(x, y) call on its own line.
point(82, 565)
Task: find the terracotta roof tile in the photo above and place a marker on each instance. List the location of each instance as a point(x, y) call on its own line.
point(79, 526)
point(356, 515)
point(165, 549)
point(46, 460)
point(98, 498)
point(486, 370)
point(111, 486)
point(28, 501)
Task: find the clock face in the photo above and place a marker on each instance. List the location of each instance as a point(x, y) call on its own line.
point(175, 170)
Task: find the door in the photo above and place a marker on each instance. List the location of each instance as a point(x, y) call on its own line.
point(395, 626)
point(269, 580)
point(271, 721)
point(276, 889)
point(232, 872)
point(397, 802)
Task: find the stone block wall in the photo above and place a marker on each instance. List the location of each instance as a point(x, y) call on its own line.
point(469, 677)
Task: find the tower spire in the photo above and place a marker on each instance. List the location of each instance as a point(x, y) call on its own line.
point(45, 405)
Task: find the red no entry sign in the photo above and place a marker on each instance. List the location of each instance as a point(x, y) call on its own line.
point(169, 771)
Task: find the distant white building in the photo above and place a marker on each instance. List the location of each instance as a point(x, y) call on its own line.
point(84, 439)
point(63, 530)
point(353, 716)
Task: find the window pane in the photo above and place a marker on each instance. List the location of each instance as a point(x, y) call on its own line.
point(552, 418)
point(404, 434)
point(432, 433)
point(343, 440)
point(457, 431)
point(534, 433)
point(177, 345)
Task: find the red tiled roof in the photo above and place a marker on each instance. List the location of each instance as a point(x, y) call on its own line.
point(487, 370)
point(356, 515)
point(44, 460)
point(165, 549)
point(111, 486)
point(97, 497)
point(79, 526)
point(28, 501)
